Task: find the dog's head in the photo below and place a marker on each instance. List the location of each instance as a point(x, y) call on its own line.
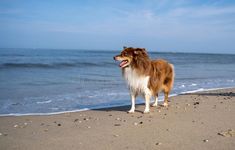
point(130, 55)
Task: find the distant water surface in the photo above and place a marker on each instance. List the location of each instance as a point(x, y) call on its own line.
point(47, 81)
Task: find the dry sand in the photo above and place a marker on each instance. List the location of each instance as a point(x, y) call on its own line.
point(199, 121)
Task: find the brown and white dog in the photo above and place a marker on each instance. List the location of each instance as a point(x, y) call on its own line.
point(145, 76)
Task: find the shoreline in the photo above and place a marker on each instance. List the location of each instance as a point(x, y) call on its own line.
point(202, 120)
point(95, 108)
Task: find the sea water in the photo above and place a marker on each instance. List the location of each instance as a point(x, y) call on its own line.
point(42, 81)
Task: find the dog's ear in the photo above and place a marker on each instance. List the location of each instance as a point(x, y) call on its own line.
point(124, 47)
point(140, 51)
point(136, 52)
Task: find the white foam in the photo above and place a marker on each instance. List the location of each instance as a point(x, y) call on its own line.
point(193, 91)
point(85, 109)
point(44, 102)
point(44, 114)
point(193, 84)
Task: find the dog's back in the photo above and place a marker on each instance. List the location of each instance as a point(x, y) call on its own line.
point(161, 76)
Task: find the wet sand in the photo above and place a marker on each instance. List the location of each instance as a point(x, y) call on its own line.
point(204, 120)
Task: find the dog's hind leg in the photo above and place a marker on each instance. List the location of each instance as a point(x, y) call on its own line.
point(167, 88)
point(155, 101)
point(168, 84)
point(166, 93)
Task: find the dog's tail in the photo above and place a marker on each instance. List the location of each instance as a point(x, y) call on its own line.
point(172, 76)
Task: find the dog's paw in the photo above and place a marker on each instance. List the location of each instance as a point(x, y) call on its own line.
point(131, 111)
point(146, 111)
point(154, 105)
point(165, 104)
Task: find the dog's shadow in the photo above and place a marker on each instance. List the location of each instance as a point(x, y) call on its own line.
point(126, 108)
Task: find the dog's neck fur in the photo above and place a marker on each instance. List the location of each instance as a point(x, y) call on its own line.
point(141, 64)
point(137, 83)
point(137, 75)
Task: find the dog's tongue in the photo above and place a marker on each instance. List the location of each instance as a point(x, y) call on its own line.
point(122, 63)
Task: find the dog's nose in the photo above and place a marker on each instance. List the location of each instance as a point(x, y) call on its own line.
point(114, 57)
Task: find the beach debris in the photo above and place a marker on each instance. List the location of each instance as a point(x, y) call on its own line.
point(45, 130)
point(21, 125)
point(4, 134)
point(228, 133)
point(110, 115)
point(88, 127)
point(158, 143)
point(136, 123)
point(116, 135)
point(205, 140)
point(86, 119)
point(196, 103)
point(139, 117)
point(58, 124)
point(75, 120)
point(119, 119)
point(187, 104)
point(117, 124)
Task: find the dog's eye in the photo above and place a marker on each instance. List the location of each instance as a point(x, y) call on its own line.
point(125, 54)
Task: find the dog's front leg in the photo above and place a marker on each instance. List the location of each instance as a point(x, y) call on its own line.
point(147, 103)
point(133, 96)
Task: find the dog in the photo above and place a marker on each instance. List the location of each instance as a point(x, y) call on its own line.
point(144, 76)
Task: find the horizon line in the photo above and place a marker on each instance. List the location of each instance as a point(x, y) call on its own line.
point(113, 50)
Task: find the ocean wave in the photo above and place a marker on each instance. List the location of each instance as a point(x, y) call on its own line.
point(54, 65)
point(44, 102)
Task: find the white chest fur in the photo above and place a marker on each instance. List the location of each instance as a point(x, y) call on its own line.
point(137, 83)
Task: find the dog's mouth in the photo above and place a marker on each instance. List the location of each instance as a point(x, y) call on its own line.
point(123, 63)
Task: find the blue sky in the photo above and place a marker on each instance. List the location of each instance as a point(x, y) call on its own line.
point(158, 25)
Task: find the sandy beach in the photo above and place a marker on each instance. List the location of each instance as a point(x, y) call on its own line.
point(203, 120)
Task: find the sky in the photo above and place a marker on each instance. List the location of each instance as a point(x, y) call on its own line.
point(158, 25)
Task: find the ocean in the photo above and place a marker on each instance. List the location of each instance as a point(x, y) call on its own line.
point(44, 81)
